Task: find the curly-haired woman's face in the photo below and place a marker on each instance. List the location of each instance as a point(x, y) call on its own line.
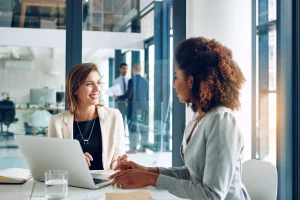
point(182, 85)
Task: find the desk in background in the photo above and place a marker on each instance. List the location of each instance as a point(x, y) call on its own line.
point(52, 110)
point(42, 108)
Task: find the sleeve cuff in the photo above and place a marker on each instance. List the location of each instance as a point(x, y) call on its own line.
point(164, 182)
point(162, 170)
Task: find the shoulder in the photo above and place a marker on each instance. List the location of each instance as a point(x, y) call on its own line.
point(58, 118)
point(112, 111)
point(220, 117)
point(109, 112)
point(61, 115)
point(220, 112)
point(116, 79)
point(145, 79)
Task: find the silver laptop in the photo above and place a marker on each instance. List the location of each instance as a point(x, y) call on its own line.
point(42, 154)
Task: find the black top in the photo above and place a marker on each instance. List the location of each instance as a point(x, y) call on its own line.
point(94, 146)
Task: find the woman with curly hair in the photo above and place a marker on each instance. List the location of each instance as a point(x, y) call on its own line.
point(212, 149)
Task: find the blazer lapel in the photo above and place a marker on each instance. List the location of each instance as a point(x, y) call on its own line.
point(67, 130)
point(102, 113)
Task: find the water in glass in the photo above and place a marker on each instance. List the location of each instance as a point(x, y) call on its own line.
point(56, 189)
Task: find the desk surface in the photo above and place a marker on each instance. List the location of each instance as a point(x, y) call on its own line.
point(35, 190)
point(14, 192)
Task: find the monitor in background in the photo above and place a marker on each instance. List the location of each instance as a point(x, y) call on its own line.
point(45, 95)
point(60, 97)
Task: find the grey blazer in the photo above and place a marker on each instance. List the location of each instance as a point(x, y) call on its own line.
point(213, 160)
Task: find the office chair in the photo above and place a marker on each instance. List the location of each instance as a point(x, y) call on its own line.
point(260, 179)
point(7, 116)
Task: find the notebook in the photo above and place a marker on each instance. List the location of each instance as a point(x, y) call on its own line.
point(137, 195)
point(14, 175)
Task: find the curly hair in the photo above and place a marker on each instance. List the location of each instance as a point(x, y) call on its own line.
point(217, 79)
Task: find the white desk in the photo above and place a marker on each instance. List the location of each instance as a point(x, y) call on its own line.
point(99, 194)
point(35, 190)
point(16, 192)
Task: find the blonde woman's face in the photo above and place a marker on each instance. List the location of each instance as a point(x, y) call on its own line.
point(89, 91)
point(182, 85)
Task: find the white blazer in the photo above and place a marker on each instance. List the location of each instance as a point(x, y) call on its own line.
point(112, 130)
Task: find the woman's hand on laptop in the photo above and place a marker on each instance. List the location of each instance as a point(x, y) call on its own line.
point(88, 158)
point(122, 158)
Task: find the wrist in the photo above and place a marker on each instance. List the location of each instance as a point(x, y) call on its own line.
point(153, 179)
point(152, 169)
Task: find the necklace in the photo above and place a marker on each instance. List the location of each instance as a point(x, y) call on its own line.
point(85, 142)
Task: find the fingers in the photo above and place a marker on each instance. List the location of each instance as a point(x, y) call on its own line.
point(87, 161)
point(124, 158)
point(128, 186)
point(124, 165)
point(119, 182)
point(118, 174)
point(88, 156)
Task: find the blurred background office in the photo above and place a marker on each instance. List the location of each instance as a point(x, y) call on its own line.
point(40, 40)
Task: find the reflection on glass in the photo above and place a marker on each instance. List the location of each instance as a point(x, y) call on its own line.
point(151, 93)
point(33, 14)
point(108, 15)
point(128, 62)
point(272, 60)
point(272, 10)
point(147, 25)
point(272, 129)
point(171, 89)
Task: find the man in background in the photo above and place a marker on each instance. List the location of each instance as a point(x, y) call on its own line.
point(122, 80)
point(137, 112)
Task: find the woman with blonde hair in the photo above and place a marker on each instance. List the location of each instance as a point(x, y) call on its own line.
point(98, 129)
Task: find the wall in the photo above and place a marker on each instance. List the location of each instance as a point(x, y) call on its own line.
point(57, 38)
point(229, 22)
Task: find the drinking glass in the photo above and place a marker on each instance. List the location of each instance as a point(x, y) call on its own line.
point(56, 184)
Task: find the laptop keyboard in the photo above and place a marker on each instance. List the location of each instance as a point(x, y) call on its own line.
point(97, 181)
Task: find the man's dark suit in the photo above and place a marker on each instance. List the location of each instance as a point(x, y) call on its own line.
point(137, 113)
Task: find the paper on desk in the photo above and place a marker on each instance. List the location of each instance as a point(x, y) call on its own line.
point(114, 90)
point(17, 174)
point(138, 195)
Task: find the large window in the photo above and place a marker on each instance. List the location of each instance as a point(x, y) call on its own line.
point(33, 62)
point(133, 44)
point(266, 81)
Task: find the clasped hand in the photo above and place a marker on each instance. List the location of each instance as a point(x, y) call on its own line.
point(88, 158)
point(132, 175)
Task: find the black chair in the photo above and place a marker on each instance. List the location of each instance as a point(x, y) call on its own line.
point(7, 116)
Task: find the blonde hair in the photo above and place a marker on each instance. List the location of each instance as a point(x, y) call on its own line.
point(75, 77)
point(137, 67)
